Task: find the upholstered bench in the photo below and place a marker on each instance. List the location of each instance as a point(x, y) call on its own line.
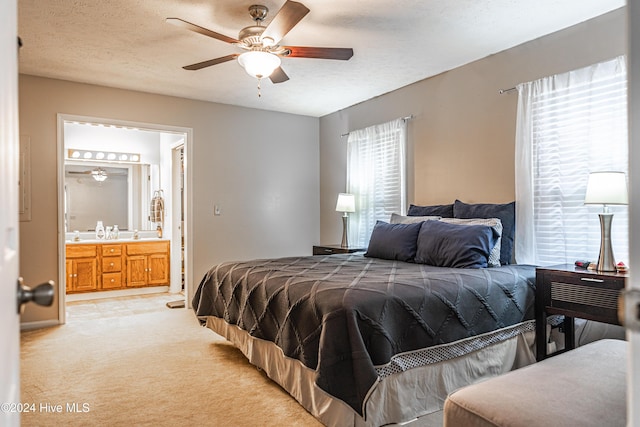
point(582, 387)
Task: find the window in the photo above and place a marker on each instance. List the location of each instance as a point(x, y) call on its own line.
point(569, 125)
point(376, 176)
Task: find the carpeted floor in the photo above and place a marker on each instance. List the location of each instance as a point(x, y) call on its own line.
point(140, 363)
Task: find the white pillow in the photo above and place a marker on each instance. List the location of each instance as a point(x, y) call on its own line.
point(495, 223)
point(401, 219)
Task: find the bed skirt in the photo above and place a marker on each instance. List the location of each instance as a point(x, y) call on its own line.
point(404, 391)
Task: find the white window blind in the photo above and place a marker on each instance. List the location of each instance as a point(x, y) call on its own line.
point(376, 176)
point(569, 125)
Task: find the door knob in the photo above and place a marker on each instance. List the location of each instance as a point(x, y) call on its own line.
point(41, 294)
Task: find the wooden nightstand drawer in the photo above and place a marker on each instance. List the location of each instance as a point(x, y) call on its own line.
point(334, 249)
point(590, 300)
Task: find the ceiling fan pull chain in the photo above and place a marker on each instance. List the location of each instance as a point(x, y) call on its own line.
point(259, 94)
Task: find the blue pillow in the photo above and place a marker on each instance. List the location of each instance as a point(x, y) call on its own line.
point(445, 211)
point(393, 241)
point(505, 212)
point(453, 245)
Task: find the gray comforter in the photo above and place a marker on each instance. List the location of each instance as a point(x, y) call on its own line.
point(341, 315)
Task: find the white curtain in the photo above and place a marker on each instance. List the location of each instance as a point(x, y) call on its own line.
point(569, 125)
point(376, 176)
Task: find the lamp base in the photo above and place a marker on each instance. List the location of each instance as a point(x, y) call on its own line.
point(345, 242)
point(606, 262)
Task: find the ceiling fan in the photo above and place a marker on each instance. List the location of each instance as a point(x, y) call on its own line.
point(262, 56)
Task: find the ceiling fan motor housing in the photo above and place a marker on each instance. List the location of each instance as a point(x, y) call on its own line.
point(250, 36)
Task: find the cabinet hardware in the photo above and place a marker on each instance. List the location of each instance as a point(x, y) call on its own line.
point(591, 279)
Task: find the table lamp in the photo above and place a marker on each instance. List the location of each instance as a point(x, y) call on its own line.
point(346, 203)
point(606, 188)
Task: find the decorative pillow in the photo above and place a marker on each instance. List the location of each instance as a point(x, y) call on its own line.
point(393, 241)
point(454, 245)
point(495, 223)
point(445, 211)
point(505, 212)
point(400, 219)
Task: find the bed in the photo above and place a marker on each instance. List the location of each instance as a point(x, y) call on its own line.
point(377, 338)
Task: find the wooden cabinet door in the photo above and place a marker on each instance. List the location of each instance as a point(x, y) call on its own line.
point(158, 269)
point(70, 275)
point(137, 270)
point(85, 274)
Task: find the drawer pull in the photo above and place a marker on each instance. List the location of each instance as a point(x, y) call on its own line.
point(111, 264)
point(591, 279)
point(112, 250)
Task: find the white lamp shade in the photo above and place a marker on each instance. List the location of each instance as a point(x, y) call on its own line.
point(606, 188)
point(346, 203)
point(259, 64)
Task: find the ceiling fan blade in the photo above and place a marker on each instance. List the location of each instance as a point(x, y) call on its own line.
point(342, 53)
point(201, 30)
point(286, 18)
point(278, 76)
point(211, 62)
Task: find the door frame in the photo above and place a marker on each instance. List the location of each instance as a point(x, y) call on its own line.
point(188, 179)
point(177, 205)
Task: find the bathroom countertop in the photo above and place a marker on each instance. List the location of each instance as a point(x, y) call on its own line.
point(113, 241)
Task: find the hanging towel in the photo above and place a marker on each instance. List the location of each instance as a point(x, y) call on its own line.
point(157, 207)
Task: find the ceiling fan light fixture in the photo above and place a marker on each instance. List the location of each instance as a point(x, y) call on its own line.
point(259, 64)
point(99, 174)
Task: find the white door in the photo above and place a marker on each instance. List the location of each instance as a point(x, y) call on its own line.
point(9, 149)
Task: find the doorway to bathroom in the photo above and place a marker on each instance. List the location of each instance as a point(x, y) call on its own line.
point(123, 209)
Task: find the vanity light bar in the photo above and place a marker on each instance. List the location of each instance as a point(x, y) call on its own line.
point(106, 156)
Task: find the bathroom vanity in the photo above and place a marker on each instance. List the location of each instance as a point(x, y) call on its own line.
point(99, 265)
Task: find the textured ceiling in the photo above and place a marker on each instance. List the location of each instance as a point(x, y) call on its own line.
point(127, 44)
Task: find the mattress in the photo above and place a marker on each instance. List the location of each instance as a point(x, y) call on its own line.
point(353, 320)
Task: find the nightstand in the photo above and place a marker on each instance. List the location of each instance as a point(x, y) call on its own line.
point(335, 249)
point(574, 292)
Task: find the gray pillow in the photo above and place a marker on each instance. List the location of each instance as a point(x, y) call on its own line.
point(445, 211)
point(495, 223)
point(505, 212)
point(454, 245)
point(393, 241)
point(400, 219)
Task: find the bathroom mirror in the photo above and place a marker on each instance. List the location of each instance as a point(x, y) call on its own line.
point(115, 194)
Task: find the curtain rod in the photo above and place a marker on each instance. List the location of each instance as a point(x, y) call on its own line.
point(503, 91)
point(406, 119)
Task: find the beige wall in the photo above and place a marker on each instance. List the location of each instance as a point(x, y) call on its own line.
point(261, 167)
point(461, 140)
